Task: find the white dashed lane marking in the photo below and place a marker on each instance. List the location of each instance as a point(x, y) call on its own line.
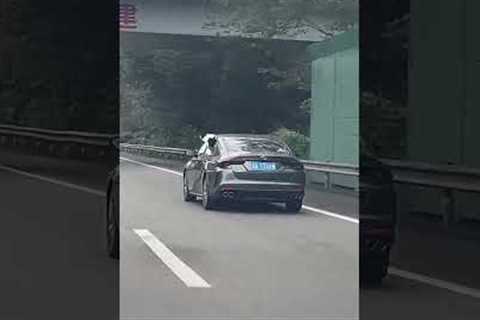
point(178, 267)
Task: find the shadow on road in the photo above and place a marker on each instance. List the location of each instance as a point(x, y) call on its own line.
point(252, 208)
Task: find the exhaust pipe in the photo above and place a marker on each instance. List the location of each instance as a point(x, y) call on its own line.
point(228, 194)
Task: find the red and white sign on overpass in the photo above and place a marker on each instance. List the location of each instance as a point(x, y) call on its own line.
point(181, 17)
point(127, 17)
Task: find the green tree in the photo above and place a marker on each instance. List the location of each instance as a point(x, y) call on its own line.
point(298, 142)
point(60, 72)
point(273, 18)
point(222, 84)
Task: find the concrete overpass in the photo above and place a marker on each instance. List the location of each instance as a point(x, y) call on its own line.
point(334, 107)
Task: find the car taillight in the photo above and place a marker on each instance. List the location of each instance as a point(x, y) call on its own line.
point(224, 165)
point(229, 163)
point(385, 232)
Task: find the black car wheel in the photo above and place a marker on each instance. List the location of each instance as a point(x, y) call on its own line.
point(294, 206)
point(187, 196)
point(375, 276)
point(113, 233)
point(374, 272)
point(207, 202)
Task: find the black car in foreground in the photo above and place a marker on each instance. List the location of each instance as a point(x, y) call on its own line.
point(377, 218)
point(112, 215)
point(233, 167)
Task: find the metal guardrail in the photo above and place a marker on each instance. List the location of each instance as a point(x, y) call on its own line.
point(446, 178)
point(413, 173)
point(443, 177)
point(57, 135)
point(331, 167)
point(54, 140)
point(159, 152)
point(434, 175)
point(325, 168)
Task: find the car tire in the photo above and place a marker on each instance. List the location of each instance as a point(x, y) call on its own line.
point(374, 277)
point(207, 201)
point(112, 228)
point(187, 196)
point(374, 273)
point(294, 206)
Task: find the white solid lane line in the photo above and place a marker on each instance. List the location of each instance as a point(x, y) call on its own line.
point(54, 181)
point(330, 214)
point(320, 211)
point(394, 271)
point(181, 270)
point(454, 287)
point(152, 167)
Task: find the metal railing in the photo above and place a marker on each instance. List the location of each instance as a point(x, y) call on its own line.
point(326, 168)
point(446, 178)
point(158, 152)
point(55, 140)
point(435, 175)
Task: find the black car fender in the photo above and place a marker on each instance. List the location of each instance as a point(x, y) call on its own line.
point(207, 172)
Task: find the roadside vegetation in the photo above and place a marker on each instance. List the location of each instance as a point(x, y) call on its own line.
point(181, 87)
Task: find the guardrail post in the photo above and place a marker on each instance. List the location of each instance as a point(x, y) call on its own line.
point(449, 207)
point(328, 181)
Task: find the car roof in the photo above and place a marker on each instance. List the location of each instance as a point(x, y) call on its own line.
point(240, 135)
point(244, 135)
point(250, 136)
point(247, 135)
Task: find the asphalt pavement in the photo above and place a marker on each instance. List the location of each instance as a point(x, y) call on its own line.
point(53, 262)
point(179, 261)
point(259, 261)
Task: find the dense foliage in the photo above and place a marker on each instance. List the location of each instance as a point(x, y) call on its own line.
point(179, 87)
point(298, 142)
point(384, 50)
point(176, 88)
point(58, 65)
point(277, 18)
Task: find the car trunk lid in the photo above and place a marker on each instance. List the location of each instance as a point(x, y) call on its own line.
point(264, 167)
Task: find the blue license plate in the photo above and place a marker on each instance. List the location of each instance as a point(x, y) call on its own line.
point(262, 166)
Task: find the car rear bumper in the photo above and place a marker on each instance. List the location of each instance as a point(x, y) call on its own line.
point(226, 185)
point(375, 248)
point(269, 192)
point(261, 195)
point(377, 235)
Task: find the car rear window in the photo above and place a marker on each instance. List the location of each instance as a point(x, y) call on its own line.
point(254, 145)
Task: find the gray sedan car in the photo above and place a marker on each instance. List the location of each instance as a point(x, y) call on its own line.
point(233, 167)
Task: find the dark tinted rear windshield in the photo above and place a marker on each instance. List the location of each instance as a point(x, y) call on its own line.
point(253, 145)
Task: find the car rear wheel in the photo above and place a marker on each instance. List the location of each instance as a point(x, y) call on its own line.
point(294, 206)
point(113, 234)
point(187, 196)
point(374, 276)
point(207, 201)
point(373, 272)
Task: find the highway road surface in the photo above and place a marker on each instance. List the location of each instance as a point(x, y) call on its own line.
point(53, 263)
point(179, 261)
